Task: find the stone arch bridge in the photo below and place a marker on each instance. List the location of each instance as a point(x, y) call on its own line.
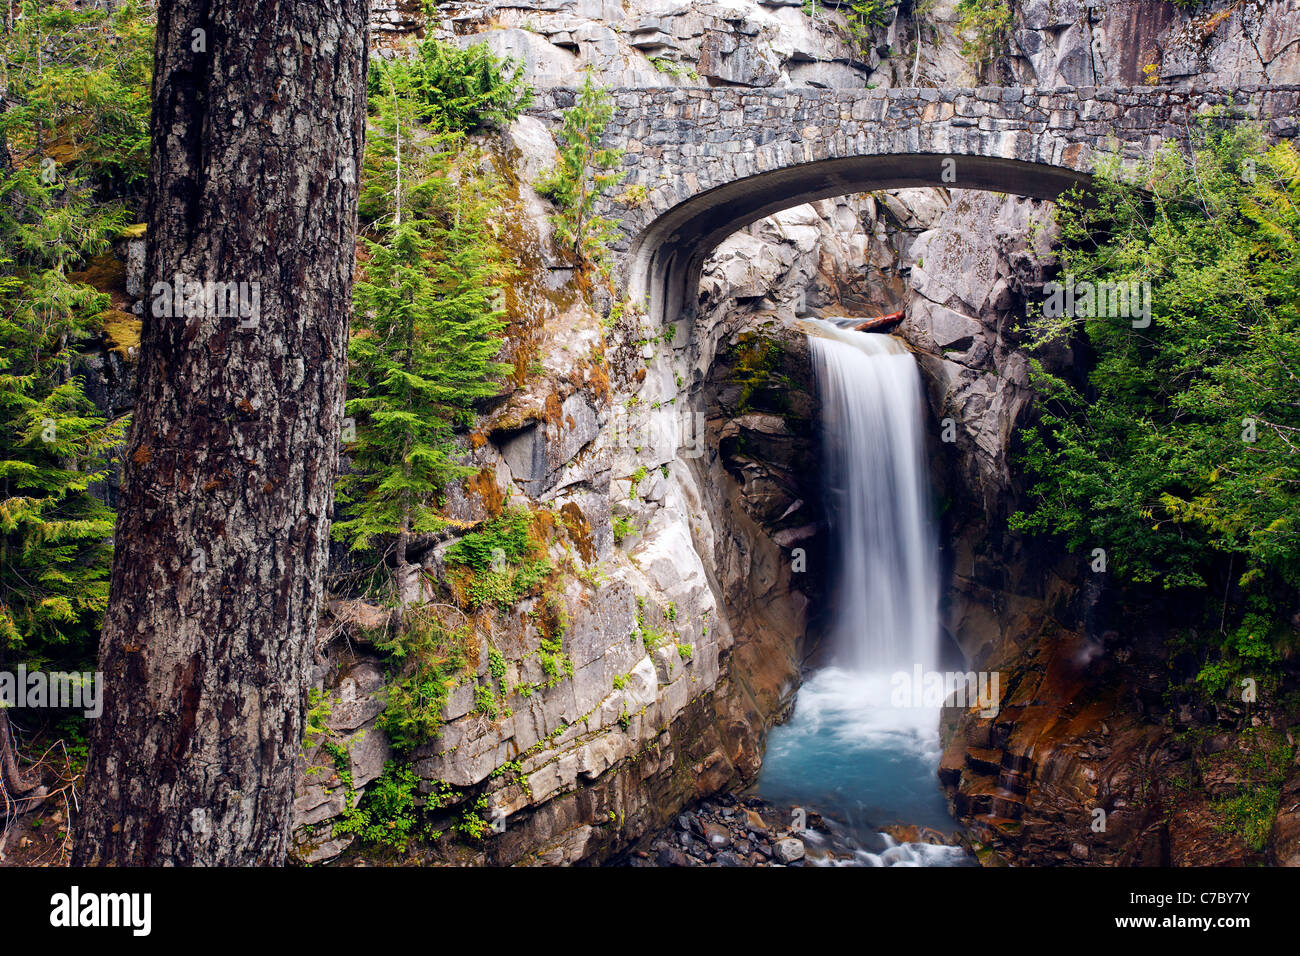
point(713, 160)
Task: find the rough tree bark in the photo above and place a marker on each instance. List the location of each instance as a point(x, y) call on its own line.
point(221, 541)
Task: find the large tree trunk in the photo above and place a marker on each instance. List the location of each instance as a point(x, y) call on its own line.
point(222, 535)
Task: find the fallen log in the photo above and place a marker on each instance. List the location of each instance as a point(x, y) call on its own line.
point(881, 322)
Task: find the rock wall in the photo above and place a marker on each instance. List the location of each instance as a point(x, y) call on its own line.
point(769, 43)
point(668, 42)
point(1118, 42)
point(551, 443)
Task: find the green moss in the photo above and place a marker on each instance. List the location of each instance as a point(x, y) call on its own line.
point(757, 371)
point(502, 563)
point(1260, 760)
point(122, 330)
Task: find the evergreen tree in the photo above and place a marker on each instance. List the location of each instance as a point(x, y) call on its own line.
point(426, 326)
point(55, 535)
point(465, 88)
point(77, 84)
point(73, 118)
point(584, 173)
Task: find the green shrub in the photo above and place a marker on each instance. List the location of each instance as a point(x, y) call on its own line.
point(508, 537)
point(472, 824)
point(502, 563)
point(623, 526)
point(1150, 458)
point(1260, 759)
point(463, 89)
point(388, 814)
point(865, 17)
point(987, 27)
point(426, 659)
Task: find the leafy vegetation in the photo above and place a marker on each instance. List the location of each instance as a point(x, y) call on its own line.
point(389, 814)
point(77, 92)
point(654, 626)
point(427, 324)
point(462, 89)
point(584, 173)
point(865, 17)
point(426, 661)
point(502, 562)
point(985, 26)
point(75, 121)
point(1249, 773)
point(1180, 453)
point(623, 526)
point(673, 68)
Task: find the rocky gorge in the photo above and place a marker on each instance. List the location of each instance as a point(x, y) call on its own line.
point(669, 469)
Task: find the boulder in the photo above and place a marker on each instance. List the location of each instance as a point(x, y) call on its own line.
point(788, 850)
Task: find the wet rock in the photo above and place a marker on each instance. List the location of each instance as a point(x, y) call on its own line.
point(717, 835)
point(789, 850)
point(670, 856)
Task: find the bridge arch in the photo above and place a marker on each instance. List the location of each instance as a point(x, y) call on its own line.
point(664, 261)
point(704, 162)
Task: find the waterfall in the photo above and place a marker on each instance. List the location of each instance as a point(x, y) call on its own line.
point(851, 746)
point(885, 577)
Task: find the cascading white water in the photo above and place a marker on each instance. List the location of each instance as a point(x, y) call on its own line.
point(850, 747)
point(877, 498)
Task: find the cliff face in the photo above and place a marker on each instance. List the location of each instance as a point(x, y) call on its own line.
point(760, 43)
point(673, 461)
point(673, 464)
point(676, 462)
